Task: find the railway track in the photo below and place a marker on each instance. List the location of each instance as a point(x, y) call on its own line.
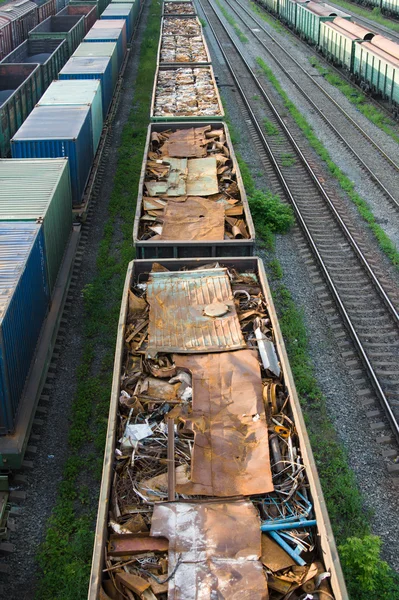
point(375, 164)
point(367, 303)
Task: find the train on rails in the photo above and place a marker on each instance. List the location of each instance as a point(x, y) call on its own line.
point(370, 60)
point(206, 440)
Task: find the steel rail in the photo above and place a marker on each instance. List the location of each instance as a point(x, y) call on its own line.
point(391, 162)
point(347, 320)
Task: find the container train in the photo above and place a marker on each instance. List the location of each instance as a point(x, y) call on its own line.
point(371, 60)
point(236, 472)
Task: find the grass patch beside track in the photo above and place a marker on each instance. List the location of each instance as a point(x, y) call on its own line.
point(65, 555)
point(366, 574)
point(385, 243)
point(243, 38)
point(357, 98)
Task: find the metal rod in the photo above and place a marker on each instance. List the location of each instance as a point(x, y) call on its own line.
point(171, 461)
point(292, 525)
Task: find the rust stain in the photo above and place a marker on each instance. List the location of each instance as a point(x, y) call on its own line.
point(231, 449)
point(214, 550)
point(195, 219)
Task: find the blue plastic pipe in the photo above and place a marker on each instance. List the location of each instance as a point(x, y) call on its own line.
point(293, 525)
point(287, 548)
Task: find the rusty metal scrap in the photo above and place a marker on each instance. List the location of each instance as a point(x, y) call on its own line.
point(178, 8)
point(214, 550)
point(180, 49)
point(186, 92)
point(185, 166)
point(231, 450)
point(177, 321)
point(176, 26)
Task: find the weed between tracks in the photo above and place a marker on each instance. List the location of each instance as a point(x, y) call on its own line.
point(357, 98)
point(65, 555)
point(243, 38)
point(385, 243)
point(367, 575)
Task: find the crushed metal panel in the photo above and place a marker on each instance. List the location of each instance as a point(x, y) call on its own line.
point(217, 546)
point(194, 219)
point(177, 321)
point(187, 143)
point(175, 183)
point(202, 177)
point(231, 449)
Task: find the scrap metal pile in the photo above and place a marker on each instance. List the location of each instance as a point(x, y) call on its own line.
point(178, 8)
point(191, 190)
point(179, 48)
point(210, 497)
point(186, 92)
point(176, 26)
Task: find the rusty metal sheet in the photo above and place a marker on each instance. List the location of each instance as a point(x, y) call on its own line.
point(194, 219)
point(178, 323)
point(202, 177)
point(187, 143)
point(126, 543)
point(214, 550)
point(231, 449)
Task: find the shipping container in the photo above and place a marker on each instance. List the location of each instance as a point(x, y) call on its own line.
point(6, 43)
point(126, 504)
point(101, 4)
point(24, 301)
point(23, 17)
point(39, 191)
point(20, 89)
point(75, 93)
point(50, 54)
point(92, 68)
point(59, 132)
point(71, 29)
point(100, 50)
point(121, 11)
point(200, 233)
point(89, 11)
point(46, 9)
point(179, 8)
point(174, 91)
point(310, 15)
point(134, 3)
point(103, 31)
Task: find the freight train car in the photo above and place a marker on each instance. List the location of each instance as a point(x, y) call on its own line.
point(208, 480)
point(69, 28)
point(23, 17)
point(337, 40)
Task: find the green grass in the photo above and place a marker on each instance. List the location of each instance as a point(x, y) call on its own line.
point(385, 243)
point(287, 159)
point(64, 557)
point(243, 38)
point(270, 129)
point(376, 116)
point(374, 15)
point(265, 17)
point(203, 22)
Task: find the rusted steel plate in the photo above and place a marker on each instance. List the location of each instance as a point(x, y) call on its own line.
point(231, 449)
point(213, 547)
point(178, 323)
point(195, 219)
point(120, 545)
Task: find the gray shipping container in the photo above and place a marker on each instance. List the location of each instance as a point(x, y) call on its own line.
point(39, 191)
point(51, 54)
point(184, 249)
point(71, 29)
point(24, 300)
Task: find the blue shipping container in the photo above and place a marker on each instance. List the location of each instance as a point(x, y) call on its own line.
point(81, 67)
point(24, 300)
point(108, 35)
point(57, 132)
point(121, 11)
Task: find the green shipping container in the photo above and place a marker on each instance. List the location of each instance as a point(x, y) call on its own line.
point(100, 50)
point(75, 92)
point(71, 29)
point(136, 8)
point(39, 191)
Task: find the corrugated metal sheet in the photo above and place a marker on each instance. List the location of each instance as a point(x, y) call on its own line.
point(57, 132)
point(39, 191)
point(24, 298)
point(92, 68)
point(78, 92)
point(178, 322)
point(120, 11)
point(100, 49)
point(20, 89)
point(104, 31)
